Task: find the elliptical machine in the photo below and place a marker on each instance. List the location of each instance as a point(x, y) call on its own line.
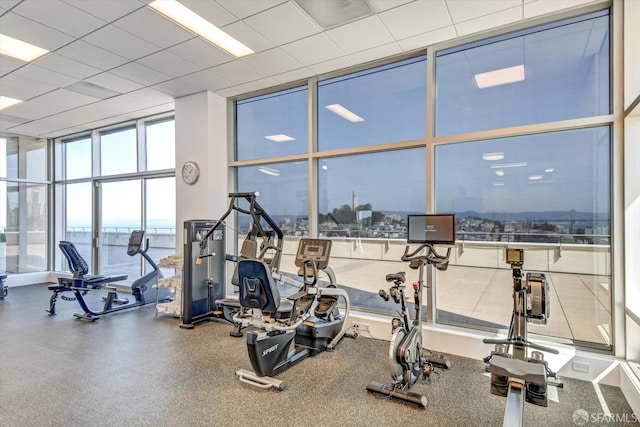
point(514, 374)
point(406, 360)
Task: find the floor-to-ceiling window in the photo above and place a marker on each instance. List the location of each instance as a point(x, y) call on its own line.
point(24, 205)
point(512, 134)
point(112, 182)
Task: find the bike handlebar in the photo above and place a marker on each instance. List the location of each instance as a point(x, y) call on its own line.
point(432, 257)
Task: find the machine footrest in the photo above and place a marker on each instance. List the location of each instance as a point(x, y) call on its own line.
point(251, 378)
point(407, 396)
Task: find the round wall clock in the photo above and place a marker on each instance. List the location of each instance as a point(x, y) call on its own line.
point(190, 172)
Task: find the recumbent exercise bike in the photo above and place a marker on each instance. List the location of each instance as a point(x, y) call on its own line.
point(406, 360)
point(81, 282)
point(514, 374)
point(287, 331)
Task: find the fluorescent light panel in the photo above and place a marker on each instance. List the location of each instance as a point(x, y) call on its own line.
point(20, 50)
point(280, 138)
point(344, 113)
point(500, 77)
point(205, 29)
point(510, 165)
point(493, 156)
point(6, 102)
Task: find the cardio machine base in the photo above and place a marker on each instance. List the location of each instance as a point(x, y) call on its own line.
point(397, 393)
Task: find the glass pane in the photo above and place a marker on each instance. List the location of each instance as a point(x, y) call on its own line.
point(559, 72)
point(161, 145)
point(78, 219)
point(272, 125)
point(161, 219)
point(363, 210)
point(118, 152)
point(283, 194)
point(24, 158)
point(25, 224)
point(381, 105)
point(121, 213)
point(78, 158)
point(548, 194)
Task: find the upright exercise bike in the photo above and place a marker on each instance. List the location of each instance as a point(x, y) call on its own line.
point(406, 360)
point(514, 374)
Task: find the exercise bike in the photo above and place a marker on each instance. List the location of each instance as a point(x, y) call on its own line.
point(4, 289)
point(514, 374)
point(406, 360)
point(287, 331)
point(81, 283)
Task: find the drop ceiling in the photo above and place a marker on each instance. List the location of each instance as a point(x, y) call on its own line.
point(111, 61)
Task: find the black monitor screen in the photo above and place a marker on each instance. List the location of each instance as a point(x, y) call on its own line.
point(431, 229)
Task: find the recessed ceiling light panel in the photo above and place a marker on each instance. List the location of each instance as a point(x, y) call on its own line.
point(333, 13)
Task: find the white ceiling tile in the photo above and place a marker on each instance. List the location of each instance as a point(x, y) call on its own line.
point(378, 52)
point(8, 65)
point(260, 84)
point(64, 65)
point(206, 80)
point(248, 36)
point(382, 5)
point(283, 24)
point(332, 65)
point(273, 61)
point(120, 42)
point(152, 27)
point(360, 35)
point(245, 8)
point(18, 87)
point(43, 75)
point(51, 103)
point(90, 54)
point(169, 64)
point(151, 95)
point(232, 91)
point(464, 10)
point(540, 7)
point(106, 10)
point(489, 21)
point(177, 88)
point(32, 32)
point(201, 53)
point(140, 74)
point(314, 49)
point(113, 82)
point(423, 40)
point(211, 11)
point(294, 75)
point(415, 18)
point(7, 121)
point(59, 15)
point(237, 72)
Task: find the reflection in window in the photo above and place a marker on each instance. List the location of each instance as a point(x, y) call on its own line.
point(161, 219)
point(381, 105)
point(557, 72)
point(283, 194)
point(78, 158)
point(551, 188)
point(23, 157)
point(272, 125)
point(118, 152)
point(358, 199)
point(78, 219)
point(161, 147)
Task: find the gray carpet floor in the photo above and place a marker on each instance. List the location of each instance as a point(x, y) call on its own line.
point(135, 369)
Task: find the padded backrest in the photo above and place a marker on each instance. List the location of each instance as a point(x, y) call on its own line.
point(77, 264)
point(247, 251)
point(257, 287)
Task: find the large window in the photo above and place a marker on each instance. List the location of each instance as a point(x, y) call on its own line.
point(495, 143)
point(273, 125)
point(376, 106)
point(24, 205)
point(109, 207)
point(556, 72)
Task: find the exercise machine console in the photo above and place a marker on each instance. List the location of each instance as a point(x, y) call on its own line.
point(514, 374)
point(407, 362)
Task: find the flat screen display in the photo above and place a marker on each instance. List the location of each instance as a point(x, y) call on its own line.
point(431, 229)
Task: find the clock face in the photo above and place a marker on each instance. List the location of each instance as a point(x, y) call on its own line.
point(190, 172)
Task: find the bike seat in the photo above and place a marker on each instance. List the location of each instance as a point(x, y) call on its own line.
point(396, 277)
point(530, 372)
